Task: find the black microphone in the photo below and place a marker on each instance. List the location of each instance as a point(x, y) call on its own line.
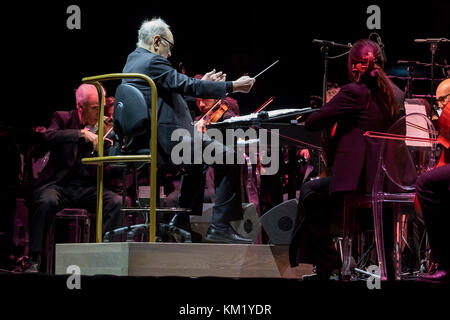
point(381, 44)
point(411, 63)
point(331, 43)
point(431, 40)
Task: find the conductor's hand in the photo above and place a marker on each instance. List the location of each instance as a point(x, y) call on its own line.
point(243, 84)
point(89, 137)
point(214, 76)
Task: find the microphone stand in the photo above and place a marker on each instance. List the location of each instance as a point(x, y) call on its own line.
point(411, 67)
point(325, 50)
point(434, 42)
point(410, 81)
point(433, 49)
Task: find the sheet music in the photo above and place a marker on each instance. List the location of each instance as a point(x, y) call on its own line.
point(417, 120)
point(271, 114)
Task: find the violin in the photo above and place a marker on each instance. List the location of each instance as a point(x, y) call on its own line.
point(221, 108)
point(107, 125)
point(214, 113)
point(107, 131)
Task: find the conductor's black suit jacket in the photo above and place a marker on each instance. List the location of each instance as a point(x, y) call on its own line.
point(173, 111)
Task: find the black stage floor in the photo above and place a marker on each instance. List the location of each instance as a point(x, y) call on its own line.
point(226, 298)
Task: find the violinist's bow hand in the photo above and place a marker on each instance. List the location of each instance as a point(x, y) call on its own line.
point(200, 125)
point(89, 137)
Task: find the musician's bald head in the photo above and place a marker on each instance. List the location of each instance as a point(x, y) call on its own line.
point(443, 93)
point(87, 103)
point(155, 36)
point(86, 93)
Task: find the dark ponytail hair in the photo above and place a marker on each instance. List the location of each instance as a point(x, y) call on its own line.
point(365, 64)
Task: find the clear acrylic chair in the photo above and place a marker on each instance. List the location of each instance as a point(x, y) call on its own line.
point(408, 149)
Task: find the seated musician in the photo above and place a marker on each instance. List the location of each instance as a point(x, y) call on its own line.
point(155, 43)
point(370, 102)
point(203, 106)
point(65, 181)
point(433, 193)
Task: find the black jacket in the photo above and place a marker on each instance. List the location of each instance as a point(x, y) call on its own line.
point(356, 156)
point(173, 112)
point(66, 151)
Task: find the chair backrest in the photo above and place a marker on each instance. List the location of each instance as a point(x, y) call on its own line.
point(402, 161)
point(131, 114)
point(131, 117)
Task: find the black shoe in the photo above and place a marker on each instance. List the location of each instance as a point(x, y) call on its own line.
point(225, 235)
point(317, 276)
point(181, 221)
point(322, 276)
point(438, 276)
point(33, 267)
point(34, 264)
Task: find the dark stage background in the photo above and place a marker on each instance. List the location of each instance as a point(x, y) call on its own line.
point(43, 61)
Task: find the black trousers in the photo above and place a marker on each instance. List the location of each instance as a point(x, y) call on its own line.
point(433, 193)
point(228, 202)
point(52, 199)
point(311, 241)
point(227, 183)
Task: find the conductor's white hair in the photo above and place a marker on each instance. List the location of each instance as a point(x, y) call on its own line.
point(150, 28)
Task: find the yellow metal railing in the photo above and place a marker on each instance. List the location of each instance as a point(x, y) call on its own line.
point(100, 160)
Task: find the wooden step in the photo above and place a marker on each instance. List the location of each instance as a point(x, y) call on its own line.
point(178, 259)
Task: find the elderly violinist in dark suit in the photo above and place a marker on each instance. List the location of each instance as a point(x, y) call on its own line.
point(370, 102)
point(155, 43)
point(433, 193)
point(65, 181)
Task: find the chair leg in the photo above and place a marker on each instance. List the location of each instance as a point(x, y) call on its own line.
point(348, 224)
point(377, 207)
point(361, 242)
point(49, 244)
point(398, 234)
point(87, 229)
point(347, 257)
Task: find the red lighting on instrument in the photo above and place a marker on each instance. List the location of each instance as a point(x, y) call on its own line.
point(264, 105)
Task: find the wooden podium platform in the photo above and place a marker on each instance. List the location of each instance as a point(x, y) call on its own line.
point(178, 259)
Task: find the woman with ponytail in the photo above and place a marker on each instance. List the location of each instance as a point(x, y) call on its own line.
point(369, 102)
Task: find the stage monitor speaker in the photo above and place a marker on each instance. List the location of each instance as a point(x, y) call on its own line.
point(249, 226)
point(279, 222)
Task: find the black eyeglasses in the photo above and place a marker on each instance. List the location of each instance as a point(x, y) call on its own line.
point(170, 43)
point(442, 98)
